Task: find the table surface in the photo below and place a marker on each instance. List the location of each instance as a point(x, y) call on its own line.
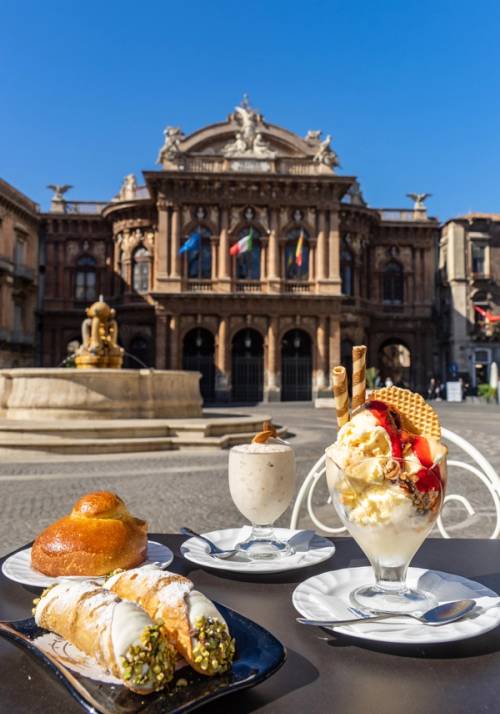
point(323, 672)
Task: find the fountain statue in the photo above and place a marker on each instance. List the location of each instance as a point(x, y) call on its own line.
point(99, 347)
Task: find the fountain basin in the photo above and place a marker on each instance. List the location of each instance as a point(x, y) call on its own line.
point(45, 393)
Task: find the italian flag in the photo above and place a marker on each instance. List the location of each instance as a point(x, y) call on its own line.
point(244, 245)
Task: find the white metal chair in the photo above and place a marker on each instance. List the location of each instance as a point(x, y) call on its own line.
point(482, 469)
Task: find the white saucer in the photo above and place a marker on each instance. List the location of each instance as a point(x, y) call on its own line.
point(193, 549)
point(326, 596)
point(18, 566)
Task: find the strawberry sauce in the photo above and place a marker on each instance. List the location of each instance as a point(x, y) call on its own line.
point(429, 478)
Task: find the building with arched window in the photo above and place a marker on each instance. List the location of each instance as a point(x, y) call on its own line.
point(469, 302)
point(247, 254)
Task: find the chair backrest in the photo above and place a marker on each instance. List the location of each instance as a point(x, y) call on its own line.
point(482, 469)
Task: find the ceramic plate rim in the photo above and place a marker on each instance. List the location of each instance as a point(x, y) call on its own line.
point(257, 567)
point(393, 637)
point(49, 579)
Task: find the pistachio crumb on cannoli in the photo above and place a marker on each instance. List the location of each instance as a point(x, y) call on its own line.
point(189, 619)
point(215, 647)
point(119, 635)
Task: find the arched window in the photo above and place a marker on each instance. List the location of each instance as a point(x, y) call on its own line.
point(393, 283)
point(85, 279)
point(297, 254)
point(200, 260)
point(140, 274)
point(248, 262)
point(347, 271)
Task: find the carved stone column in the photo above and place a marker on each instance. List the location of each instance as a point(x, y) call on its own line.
point(321, 266)
point(334, 248)
point(273, 269)
point(333, 346)
point(173, 339)
point(224, 273)
point(321, 380)
point(162, 243)
point(222, 362)
point(161, 341)
point(175, 261)
point(273, 376)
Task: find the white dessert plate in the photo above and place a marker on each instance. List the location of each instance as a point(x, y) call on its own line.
point(326, 596)
point(311, 551)
point(18, 566)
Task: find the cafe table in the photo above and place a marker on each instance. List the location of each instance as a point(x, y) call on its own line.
point(323, 672)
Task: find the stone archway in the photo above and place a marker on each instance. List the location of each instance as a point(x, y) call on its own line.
point(296, 366)
point(247, 356)
point(394, 363)
point(198, 355)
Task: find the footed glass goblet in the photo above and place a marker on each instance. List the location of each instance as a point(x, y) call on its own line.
point(262, 485)
point(389, 506)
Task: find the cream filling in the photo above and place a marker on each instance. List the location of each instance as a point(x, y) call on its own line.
point(200, 606)
point(128, 624)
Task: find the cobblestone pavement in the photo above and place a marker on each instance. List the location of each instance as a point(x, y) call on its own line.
point(171, 489)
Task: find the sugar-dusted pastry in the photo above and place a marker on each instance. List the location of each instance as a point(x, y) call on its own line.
point(117, 634)
point(190, 620)
point(97, 537)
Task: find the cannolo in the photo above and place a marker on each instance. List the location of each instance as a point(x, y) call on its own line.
point(189, 619)
point(119, 635)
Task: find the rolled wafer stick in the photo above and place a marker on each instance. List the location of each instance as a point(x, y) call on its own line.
point(358, 376)
point(339, 378)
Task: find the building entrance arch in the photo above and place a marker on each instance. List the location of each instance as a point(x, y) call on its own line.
point(198, 355)
point(247, 354)
point(394, 363)
point(296, 366)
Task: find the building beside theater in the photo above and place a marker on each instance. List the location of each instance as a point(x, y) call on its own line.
point(19, 219)
point(324, 270)
point(470, 270)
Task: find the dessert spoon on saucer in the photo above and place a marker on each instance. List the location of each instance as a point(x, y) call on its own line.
point(440, 615)
point(215, 551)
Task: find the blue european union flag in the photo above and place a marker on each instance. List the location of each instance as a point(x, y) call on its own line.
point(192, 243)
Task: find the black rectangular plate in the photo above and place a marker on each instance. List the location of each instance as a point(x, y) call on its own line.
point(258, 655)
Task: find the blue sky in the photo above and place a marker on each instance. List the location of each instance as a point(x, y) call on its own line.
point(408, 89)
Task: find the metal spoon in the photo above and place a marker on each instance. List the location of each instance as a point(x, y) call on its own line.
point(214, 549)
point(440, 615)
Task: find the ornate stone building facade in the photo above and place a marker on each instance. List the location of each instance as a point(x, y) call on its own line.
point(325, 270)
point(19, 221)
point(470, 273)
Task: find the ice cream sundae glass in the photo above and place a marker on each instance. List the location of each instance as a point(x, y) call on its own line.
point(386, 474)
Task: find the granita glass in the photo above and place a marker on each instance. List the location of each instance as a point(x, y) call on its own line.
point(389, 506)
point(262, 484)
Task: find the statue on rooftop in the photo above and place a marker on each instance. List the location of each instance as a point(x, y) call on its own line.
point(59, 190)
point(419, 199)
point(128, 188)
point(325, 154)
point(249, 142)
point(171, 149)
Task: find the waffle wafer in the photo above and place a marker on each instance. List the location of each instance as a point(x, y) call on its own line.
point(417, 416)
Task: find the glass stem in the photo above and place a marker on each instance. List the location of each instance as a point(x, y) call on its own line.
point(391, 579)
point(262, 532)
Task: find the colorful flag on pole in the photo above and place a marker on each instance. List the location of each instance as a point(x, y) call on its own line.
point(192, 243)
point(299, 249)
point(244, 245)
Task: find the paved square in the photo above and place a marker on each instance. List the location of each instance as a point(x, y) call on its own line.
point(172, 489)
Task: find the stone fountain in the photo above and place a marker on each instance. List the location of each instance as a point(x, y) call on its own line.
point(98, 407)
point(98, 388)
